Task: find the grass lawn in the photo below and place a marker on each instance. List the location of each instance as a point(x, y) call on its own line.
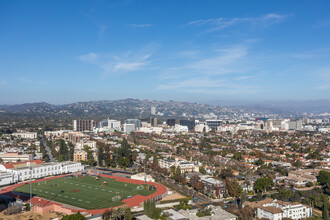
point(84, 192)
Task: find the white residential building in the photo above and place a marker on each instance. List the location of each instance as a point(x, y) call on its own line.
point(91, 144)
point(185, 166)
point(277, 210)
point(25, 135)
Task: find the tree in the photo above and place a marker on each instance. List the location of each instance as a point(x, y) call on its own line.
point(128, 214)
point(297, 163)
point(124, 154)
point(199, 186)
point(246, 213)
point(172, 170)
point(263, 184)
point(193, 180)
point(234, 189)
point(325, 211)
point(285, 195)
point(324, 180)
point(177, 175)
point(225, 173)
point(183, 204)
point(202, 170)
point(90, 158)
point(260, 162)
point(100, 156)
point(76, 216)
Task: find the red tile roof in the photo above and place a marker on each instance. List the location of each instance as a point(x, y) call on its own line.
point(13, 165)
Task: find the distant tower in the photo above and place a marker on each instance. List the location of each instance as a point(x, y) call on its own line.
point(153, 110)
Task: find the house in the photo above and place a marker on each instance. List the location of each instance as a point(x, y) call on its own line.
point(214, 187)
point(277, 210)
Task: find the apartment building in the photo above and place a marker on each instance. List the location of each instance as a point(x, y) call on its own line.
point(76, 137)
point(83, 125)
point(278, 210)
point(25, 135)
point(185, 166)
point(79, 155)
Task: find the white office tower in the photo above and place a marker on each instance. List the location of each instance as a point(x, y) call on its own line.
point(153, 110)
point(109, 125)
point(295, 125)
point(129, 128)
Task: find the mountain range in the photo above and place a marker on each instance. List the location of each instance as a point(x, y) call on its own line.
point(133, 108)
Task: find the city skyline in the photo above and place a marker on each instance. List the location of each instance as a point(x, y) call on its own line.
point(62, 52)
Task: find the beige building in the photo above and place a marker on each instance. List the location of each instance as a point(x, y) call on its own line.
point(15, 157)
point(79, 155)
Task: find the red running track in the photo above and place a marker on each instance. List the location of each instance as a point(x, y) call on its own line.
point(130, 202)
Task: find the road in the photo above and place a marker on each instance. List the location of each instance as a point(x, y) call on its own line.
point(47, 148)
point(187, 191)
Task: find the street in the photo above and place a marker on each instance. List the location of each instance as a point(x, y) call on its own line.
point(48, 151)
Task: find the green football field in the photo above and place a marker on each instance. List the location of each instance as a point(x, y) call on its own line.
point(85, 192)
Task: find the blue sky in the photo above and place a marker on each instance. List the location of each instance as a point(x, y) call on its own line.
point(68, 51)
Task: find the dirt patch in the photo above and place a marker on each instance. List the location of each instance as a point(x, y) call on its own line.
point(173, 196)
point(75, 190)
point(32, 215)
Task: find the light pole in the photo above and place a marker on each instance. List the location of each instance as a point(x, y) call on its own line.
point(30, 187)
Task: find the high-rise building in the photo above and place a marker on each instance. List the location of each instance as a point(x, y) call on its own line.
point(153, 110)
point(189, 123)
point(213, 124)
point(153, 122)
point(83, 125)
point(170, 122)
point(109, 124)
point(136, 122)
point(128, 128)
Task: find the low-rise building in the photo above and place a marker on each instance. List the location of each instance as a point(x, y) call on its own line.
point(25, 135)
point(277, 210)
point(10, 157)
point(185, 166)
point(217, 213)
point(35, 169)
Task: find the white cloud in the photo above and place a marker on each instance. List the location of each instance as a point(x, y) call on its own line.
point(102, 30)
point(140, 25)
point(207, 86)
point(91, 57)
point(120, 63)
point(222, 62)
point(221, 23)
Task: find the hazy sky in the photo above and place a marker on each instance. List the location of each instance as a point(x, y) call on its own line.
point(67, 51)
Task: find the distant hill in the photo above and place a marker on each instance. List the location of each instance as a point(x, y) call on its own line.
point(133, 108)
point(312, 106)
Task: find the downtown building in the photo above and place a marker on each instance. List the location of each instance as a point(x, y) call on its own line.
point(83, 125)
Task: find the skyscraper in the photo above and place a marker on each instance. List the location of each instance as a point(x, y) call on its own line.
point(153, 110)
